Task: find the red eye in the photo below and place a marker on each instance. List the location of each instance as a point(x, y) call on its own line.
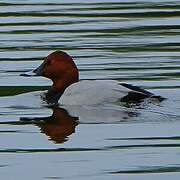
point(48, 63)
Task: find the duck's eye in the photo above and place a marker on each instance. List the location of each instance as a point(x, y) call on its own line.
point(48, 63)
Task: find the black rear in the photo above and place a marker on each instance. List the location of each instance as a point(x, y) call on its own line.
point(138, 94)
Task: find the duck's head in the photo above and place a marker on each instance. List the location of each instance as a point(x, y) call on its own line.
point(60, 68)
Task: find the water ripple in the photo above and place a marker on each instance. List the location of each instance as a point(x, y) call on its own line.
point(132, 41)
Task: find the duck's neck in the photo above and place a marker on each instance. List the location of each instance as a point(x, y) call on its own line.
point(56, 91)
point(52, 96)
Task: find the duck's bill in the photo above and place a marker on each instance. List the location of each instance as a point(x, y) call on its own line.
point(28, 74)
point(35, 72)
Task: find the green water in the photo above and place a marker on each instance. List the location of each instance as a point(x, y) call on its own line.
point(130, 41)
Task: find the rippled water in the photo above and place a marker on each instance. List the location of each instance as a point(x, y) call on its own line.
point(130, 41)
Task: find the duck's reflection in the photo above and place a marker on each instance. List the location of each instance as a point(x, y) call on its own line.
point(58, 127)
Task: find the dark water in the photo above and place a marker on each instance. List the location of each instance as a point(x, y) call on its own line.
point(129, 41)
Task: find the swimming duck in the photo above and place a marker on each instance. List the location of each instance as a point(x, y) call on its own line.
point(69, 90)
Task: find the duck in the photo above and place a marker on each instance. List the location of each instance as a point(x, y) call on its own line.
point(68, 89)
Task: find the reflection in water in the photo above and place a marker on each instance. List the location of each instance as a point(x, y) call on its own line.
point(58, 126)
point(62, 123)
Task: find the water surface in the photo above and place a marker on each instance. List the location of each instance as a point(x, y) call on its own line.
point(130, 41)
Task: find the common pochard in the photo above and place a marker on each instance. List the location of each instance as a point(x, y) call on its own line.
point(69, 90)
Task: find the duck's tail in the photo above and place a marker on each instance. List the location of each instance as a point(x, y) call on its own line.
point(137, 94)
